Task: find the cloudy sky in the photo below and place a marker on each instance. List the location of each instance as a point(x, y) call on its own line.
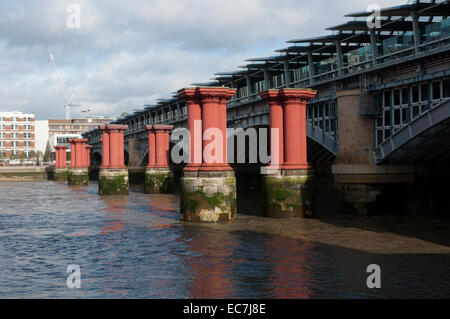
point(130, 53)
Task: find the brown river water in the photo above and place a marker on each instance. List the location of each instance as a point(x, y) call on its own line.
point(135, 247)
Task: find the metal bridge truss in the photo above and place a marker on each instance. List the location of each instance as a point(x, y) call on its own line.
point(321, 146)
point(423, 140)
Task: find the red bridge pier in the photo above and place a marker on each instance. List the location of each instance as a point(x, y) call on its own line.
point(158, 174)
point(208, 185)
point(60, 171)
point(113, 176)
point(288, 182)
point(78, 171)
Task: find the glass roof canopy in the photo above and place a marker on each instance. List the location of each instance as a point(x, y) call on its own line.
point(350, 36)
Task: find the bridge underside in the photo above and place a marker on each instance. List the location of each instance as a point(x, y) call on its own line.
point(321, 147)
point(424, 140)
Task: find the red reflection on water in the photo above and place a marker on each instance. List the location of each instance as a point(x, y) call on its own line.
point(115, 207)
point(212, 269)
point(164, 203)
point(292, 275)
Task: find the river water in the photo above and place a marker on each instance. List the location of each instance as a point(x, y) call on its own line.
point(135, 247)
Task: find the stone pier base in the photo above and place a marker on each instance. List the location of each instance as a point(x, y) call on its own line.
point(57, 174)
point(370, 189)
point(113, 181)
point(158, 180)
point(78, 176)
point(290, 193)
point(373, 199)
point(208, 196)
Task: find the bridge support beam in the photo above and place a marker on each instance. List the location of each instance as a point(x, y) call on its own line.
point(113, 175)
point(289, 188)
point(78, 172)
point(208, 185)
point(158, 174)
point(60, 171)
point(363, 187)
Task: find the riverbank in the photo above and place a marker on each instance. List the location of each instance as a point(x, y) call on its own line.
point(22, 173)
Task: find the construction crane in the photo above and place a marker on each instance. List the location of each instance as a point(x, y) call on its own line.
point(69, 105)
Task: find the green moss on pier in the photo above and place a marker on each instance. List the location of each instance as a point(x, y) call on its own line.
point(78, 178)
point(289, 196)
point(113, 185)
point(197, 205)
point(158, 182)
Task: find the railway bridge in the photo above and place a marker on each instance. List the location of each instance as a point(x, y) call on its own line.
point(377, 120)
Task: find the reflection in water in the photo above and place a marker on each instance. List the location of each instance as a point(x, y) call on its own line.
point(292, 275)
point(115, 207)
point(211, 264)
point(135, 247)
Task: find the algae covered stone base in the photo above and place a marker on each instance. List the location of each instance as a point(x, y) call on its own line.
point(288, 194)
point(208, 196)
point(57, 174)
point(113, 181)
point(158, 181)
point(78, 176)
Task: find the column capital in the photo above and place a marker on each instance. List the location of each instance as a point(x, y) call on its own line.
point(297, 95)
point(162, 128)
point(149, 128)
point(214, 93)
point(60, 147)
point(116, 127)
point(198, 94)
point(78, 140)
point(272, 95)
point(190, 95)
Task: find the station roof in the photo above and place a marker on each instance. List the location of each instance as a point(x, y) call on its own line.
point(276, 58)
point(353, 37)
point(434, 8)
point(359, 25)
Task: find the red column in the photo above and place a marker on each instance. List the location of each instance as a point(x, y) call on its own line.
point(214, 115)
point(295, 150)
point(57, 158)
point(223, 124)
point(88, 155)
point(82, 160)
point(276, 122)
point(63, 156)
point(209, 105)
point(114, 156)
point(210, 119)
point(162, 136)
point(151, 146)
point(78, 149)
point(105, 146)
point(116, 145)
point(78, 153)
point(60, 156)
point(194, 111)
point(73, 151)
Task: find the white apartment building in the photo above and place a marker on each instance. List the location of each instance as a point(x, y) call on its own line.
point(17, 134)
